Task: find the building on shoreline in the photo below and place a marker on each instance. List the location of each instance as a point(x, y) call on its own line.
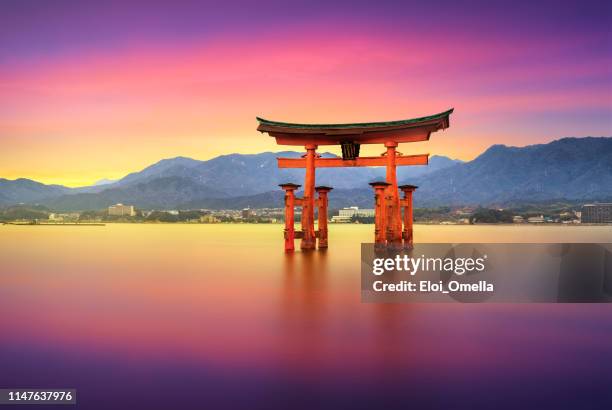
point(345, 215)
point(596, 213)
point(209, 219)
point(121, 210)
point(536, 219)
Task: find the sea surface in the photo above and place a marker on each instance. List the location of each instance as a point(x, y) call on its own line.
point(180, 316)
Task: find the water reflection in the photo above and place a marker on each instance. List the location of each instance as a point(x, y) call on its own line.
point(129, 310)
point(304, 303)
point(318, 324)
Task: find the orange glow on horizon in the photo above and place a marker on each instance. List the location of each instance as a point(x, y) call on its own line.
point(74, 120)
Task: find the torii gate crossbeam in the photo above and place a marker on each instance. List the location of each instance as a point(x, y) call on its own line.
point(421, 159)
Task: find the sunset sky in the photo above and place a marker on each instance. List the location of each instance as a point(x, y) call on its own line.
point(92, 90)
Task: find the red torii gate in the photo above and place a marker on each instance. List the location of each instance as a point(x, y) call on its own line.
point(350, 137)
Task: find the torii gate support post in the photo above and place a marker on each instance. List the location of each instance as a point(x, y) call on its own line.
point(322, 204)
point(380, 218)
point(289, 215)
point(394, 227)
point(408, 214)
point(308, 238)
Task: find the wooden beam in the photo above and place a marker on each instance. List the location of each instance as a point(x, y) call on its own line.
point(400, 160)
point(379, 137)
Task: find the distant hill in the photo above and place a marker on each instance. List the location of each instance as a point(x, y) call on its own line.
point(575, 169)
point(572, 169)
point(27, 191)
point(242, 175)
point(569, 168)
point(188, 183)
point(157, 193)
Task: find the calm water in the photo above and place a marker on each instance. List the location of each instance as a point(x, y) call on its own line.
point(217, 316)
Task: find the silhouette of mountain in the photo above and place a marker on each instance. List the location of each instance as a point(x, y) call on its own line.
point(569, 168)
point(573, 169)
point(188, 183)
point(242, 175)
point(157, 193)
point(25, 190)
point(577, 169)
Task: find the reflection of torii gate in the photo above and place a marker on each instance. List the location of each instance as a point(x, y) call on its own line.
point(350, 137)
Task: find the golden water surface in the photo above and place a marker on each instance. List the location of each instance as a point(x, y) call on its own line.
point(181, 299)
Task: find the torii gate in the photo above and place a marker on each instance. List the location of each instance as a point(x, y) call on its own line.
point(388, 229)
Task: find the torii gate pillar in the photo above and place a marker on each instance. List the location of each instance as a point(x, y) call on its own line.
point(380, 219)
point(322, 202)
point(309, 239)
point(290, 202)
point(406, 203)
point(394, 224)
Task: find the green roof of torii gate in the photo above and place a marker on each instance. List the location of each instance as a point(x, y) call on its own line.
point(411, 121)
point(411, 130)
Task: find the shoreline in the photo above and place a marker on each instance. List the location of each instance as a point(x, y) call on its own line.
point(282, 224)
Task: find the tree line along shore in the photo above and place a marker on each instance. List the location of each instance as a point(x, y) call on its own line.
point(551, 213)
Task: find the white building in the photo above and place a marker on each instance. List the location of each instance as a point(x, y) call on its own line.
point(355, 211)
point(345, 214)
point(536, 219)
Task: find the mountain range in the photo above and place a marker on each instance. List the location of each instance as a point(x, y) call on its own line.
point(575, 169)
